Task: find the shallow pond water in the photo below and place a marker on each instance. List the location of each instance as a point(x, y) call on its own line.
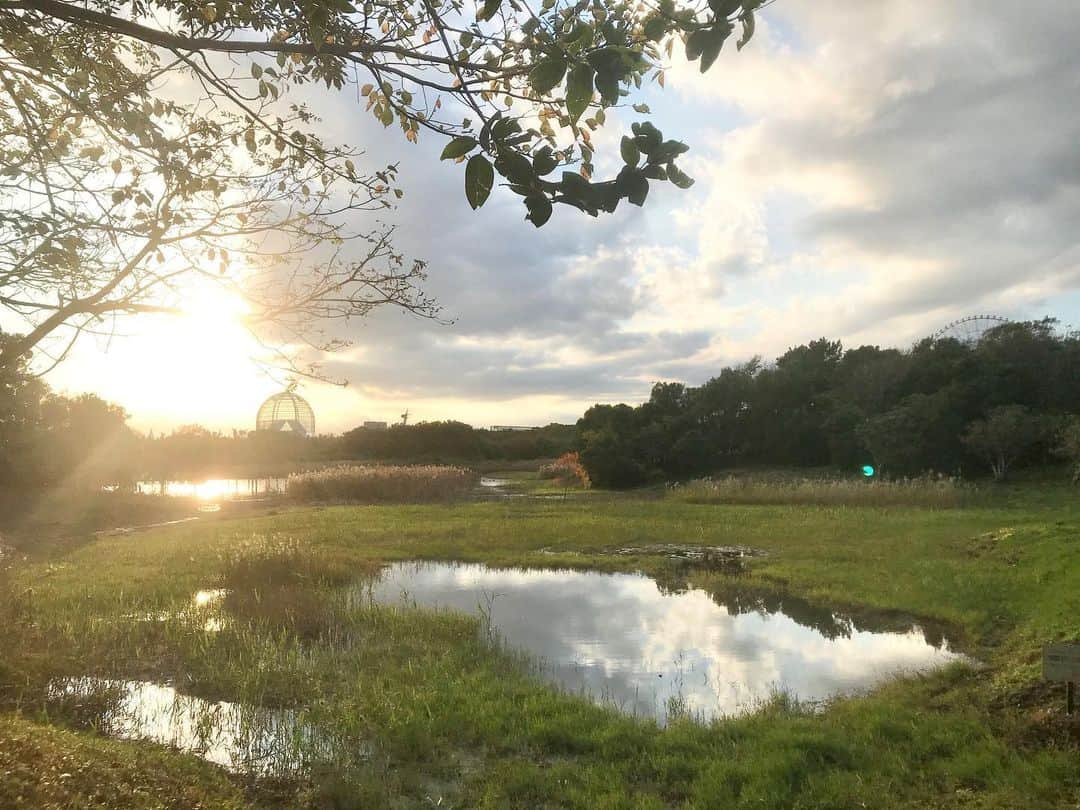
point(623, 640)
point(242, 738)
point(215, 489)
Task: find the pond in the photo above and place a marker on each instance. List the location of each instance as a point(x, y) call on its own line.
point(214, 489)
point(239, 737)
point(623, 640)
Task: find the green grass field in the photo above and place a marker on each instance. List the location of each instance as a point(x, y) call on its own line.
point(446, 716)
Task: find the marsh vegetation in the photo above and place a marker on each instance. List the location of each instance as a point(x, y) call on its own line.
point(381, 484)
point(403, 697)
point(932, 492)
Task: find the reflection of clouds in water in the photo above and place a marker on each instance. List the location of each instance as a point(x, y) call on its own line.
point(620, 639)
point(237, 736)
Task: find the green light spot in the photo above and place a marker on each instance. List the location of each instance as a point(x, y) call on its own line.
point(868, 471)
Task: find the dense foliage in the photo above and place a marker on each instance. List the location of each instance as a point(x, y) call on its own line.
point(942, 406)
point(456, 441)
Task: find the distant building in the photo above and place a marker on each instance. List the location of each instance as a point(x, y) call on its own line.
point(503, 428)
point(374, 426)
point(286, 412)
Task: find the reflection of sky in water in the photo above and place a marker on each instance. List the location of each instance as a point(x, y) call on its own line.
point(239, 737)
point(214, 488)
point(619, 639)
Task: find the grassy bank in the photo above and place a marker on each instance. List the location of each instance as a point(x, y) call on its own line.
point(443, 714)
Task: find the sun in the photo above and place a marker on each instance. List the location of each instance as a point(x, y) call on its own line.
point(200, 365)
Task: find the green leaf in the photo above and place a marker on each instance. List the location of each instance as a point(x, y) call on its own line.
point(607, 82)
point(546, 74)
point(515, 167)
point(580, 37)
point(579, 90)
point(654, 171)
point(544, 161)
point(713, 43)
point(458, 147)
point(695, 44)
point(747, 29)
point(655, 27)
point(256, 71)
point(479, 178)
point(642, 108)
point(490, 9)
point(539, 209)
point(678, 177)
point(632, 184)
point(574, 185)
point(724, 8)
point(646, 136)
point(630, 152)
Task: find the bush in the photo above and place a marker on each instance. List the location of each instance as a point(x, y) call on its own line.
point(1070, 445)
point(381, 484)
point(567, 470)
point(928, 491)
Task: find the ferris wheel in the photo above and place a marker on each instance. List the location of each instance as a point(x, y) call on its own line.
point(970, 330)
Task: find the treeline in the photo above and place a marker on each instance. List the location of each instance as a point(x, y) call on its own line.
point(943, 406)
point(456, 441)
point(48, 440)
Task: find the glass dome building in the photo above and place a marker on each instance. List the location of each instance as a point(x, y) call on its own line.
point(286, 413)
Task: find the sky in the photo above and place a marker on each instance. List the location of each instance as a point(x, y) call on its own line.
point(867, 171)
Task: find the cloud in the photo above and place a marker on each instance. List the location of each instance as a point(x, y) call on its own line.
point(866, 170)
point(876, 170)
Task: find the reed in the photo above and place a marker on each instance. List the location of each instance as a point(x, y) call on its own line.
point(381, 484)
point(927, 492)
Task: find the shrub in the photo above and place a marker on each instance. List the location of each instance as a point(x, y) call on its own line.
point(928, 491)
point(381, 484)
point(568, 470)
point(1004, 435)
point(1070, 445)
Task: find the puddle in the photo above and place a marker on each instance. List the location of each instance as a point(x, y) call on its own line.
point(210, 597)
point(624, 640)
point(201, 604)
point(241, 738)
point(494, 482)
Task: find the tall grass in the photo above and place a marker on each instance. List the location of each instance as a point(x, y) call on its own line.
point(381, 484)
point(928, 492)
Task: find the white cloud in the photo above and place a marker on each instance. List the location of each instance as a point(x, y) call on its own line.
point(865, 170)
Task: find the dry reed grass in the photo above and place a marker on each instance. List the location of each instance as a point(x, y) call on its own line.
point(381, 484)
point(928, 492)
